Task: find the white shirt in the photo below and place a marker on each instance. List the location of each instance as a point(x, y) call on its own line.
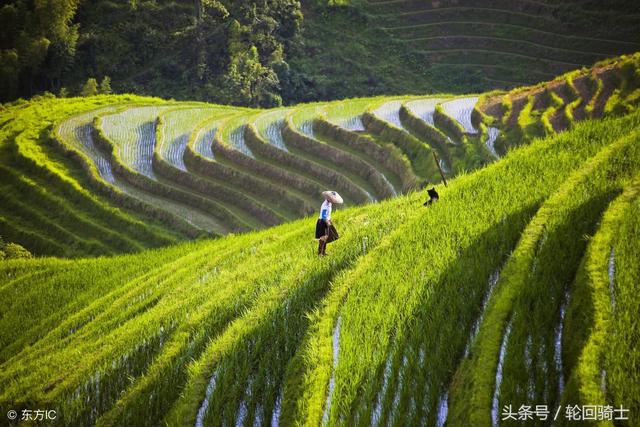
point(325, 210)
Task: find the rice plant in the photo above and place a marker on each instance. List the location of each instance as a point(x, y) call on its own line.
point(518, 286)
point(269, 125)
point(177, 126)
point(133, 133)
point(232, 134)
point(77, 131)
point(390, 112)
point(460, 109)
point(424, 108)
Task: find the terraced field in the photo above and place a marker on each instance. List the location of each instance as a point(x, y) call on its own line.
point(503, 43)
point(197, 169)
point(419, 316)
point(53, 206)
point(529, 112)
point(519, 287)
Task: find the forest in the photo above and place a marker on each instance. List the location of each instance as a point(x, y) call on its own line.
point(264, 53)
point(224, 51)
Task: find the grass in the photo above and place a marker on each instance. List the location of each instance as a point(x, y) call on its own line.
point(418, 117)
point(386, 157)
point(569, 109)
point(555, 102)
point(168, 161)
point(75, 136)
point(404, 321)
point(557, 105)
point(596, 370)
point(543, 294)
point(368, 334)
point(177, 125)
point(129, 137)
point(475, 380)
point(302, 139)
point(200, 157)
point(28, 154)
point(307, 170)
point(263, 167)
point(250, 321)
point(418, 153)
point(622, 385)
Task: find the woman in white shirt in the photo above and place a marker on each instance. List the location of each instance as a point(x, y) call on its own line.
point(324, 220)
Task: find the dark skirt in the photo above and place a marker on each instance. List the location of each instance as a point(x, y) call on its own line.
point(321, 228)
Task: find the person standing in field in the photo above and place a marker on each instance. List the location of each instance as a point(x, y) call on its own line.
point(433, 196)
point(324, 220)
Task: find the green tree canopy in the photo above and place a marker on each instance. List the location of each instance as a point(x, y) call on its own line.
point(37, 44)
point(180, 48)
point(105, 86)
point(90, 88)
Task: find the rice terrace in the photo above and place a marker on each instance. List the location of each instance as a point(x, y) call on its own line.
point(471, 170)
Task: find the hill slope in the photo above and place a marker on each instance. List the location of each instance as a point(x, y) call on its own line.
point(459, 45)
point(417, 315)
point(265, 53)
point(82, 173)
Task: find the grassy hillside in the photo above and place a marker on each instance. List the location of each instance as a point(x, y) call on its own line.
point(419, 315)
point(176, 279)
point(48, 202)
point(529, 112)
point(112, 174)
point(158, 265)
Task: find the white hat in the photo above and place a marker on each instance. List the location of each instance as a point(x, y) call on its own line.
point(333, 197)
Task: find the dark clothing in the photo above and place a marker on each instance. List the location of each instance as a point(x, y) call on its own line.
point(433, 196)
point(322, 228)
point(332, 233)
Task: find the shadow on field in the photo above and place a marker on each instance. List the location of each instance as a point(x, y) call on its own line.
point(536, 317)
point(426, 349)
point(250, 376)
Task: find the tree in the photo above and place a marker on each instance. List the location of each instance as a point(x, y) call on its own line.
point(90, 88)
point(254, 82)
point(105, 86)
point(182, 48)
point(214, 10)
point(38, 44)
point(9, 72)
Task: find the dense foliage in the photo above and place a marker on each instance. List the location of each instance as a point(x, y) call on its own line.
point(225, 51)
point(37, 45)
point(503, 292)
